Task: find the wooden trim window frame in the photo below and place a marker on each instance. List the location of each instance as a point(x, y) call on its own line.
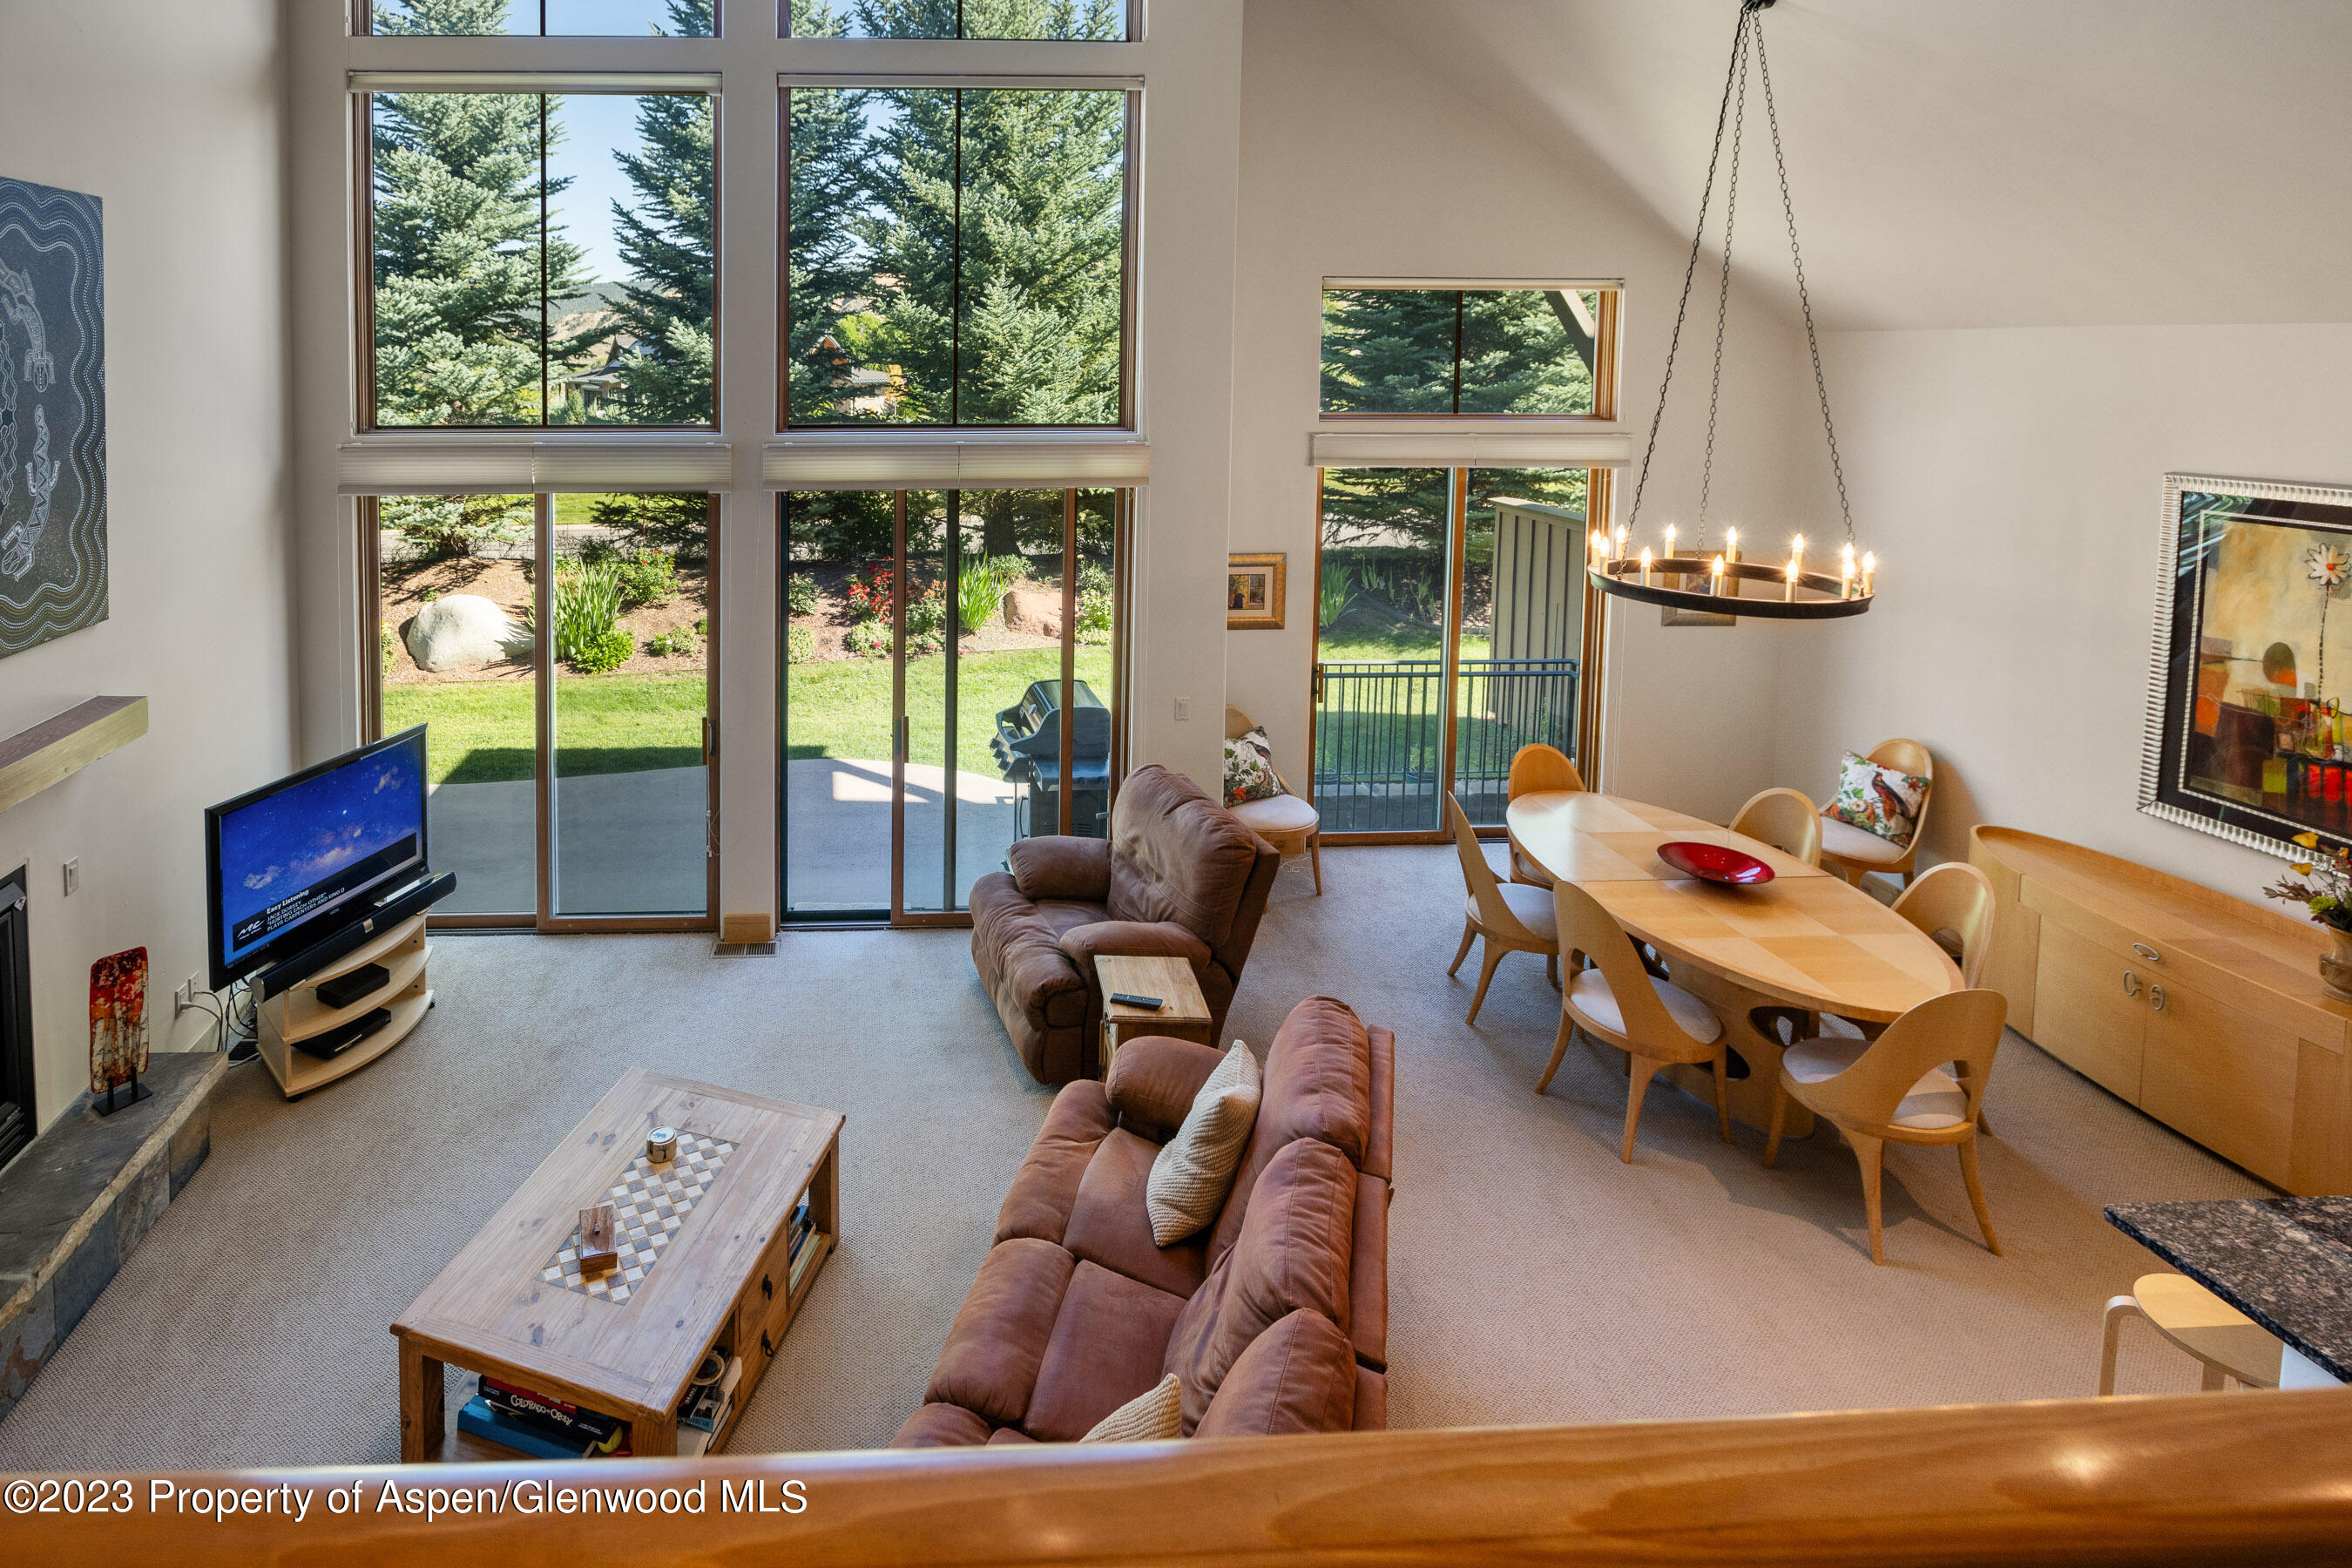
point(1607, 327)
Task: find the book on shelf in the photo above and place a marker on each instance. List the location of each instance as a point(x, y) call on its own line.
point(800, 1266)
point(478, 1419)
point(558, 1419)
point(797, 1231)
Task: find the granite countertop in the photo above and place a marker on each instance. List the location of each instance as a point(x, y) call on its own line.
point(2284, 1262)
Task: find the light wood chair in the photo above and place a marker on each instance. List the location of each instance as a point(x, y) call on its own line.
point(2232, 1346)
point(1535, 768)
point(1785, 819)
point(1853, 853)
point(1894, 1089)
point(1288, 821)
point(1510, 917)
point(1617, 1002)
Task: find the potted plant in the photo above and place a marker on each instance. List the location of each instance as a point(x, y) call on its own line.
point(2323, 885)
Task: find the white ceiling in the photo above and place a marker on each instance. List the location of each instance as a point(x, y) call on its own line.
point(1967, 162)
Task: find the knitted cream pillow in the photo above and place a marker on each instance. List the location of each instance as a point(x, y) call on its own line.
point(1155, 1415)
point(1194, 1169)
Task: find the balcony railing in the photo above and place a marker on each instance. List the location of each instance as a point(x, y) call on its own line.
point(1379, 732)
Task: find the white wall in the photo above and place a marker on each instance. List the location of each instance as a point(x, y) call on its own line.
point(170, 114)
point(1362, 157)
point(2012, 483)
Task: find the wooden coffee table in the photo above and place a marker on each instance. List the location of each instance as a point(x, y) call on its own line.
point(1185, 1016)
point(719, 1281)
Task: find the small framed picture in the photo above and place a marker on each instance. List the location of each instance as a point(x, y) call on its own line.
point(1253, 586)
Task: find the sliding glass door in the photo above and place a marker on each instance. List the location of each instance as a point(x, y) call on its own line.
point(950, 688)
point(1451, 611)
point(557, 649)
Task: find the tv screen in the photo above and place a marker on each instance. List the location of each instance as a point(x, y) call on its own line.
point(292, 862)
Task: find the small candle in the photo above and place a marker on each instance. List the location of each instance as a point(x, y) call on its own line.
point(1646, 566)
point(1714, 576)
point(1670, 540)
point(1845, 573)
point(1731, 544)
point(1596, 549)
point(1791, 594)
point(1796, 555)
point(1869, 568)
point(1620, 553)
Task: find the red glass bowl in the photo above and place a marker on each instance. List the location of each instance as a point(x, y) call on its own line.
point(1715, 863)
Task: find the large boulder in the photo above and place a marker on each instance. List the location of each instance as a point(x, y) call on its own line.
point(1036, 612)
point(463, 631)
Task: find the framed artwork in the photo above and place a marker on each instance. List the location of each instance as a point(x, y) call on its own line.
point(52, 415)
point(2246, 736)
point(1254, 589)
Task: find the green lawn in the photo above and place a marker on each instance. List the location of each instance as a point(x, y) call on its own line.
point(482, 731)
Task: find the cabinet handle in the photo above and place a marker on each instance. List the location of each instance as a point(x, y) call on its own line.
point(2156, 997)
point(765, 1348)
point(2131, 983)
point(767, 1288)
point(2147, 953)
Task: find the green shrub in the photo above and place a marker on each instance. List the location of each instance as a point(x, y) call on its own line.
point(800, 594)
point(980, 587)
point(587, 616)
point(604, 651)
point(926, 617)
point(1096, 605)
point(391, 646)
point(651, 578)
point(869, 639)
point(800, 645)
point(661, 645)
point(1333, 594)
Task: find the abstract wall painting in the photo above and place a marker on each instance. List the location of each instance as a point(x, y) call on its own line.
point(2247, 734)
point(52, 415)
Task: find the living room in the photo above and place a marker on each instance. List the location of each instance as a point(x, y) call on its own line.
point(849, 713)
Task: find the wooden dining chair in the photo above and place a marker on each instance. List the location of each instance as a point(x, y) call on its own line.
point(1785, 819)
point(1510, 918)
point(1953, 905)
point(1654, 1022)
point(1895, 1090)
point(1288, 821)
point(1853, 853)
point(1534, 768)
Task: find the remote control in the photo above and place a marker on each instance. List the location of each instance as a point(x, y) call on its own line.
point(1149, 1004)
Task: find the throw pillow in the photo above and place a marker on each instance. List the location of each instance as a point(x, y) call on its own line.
point(1194, 1169)
point(1884, 801)
point(1154, 1416)
point(1249, 768)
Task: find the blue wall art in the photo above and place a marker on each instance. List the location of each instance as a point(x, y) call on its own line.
point(52, 415)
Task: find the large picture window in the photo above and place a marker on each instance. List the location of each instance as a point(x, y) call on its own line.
point(1508, 351)
point(1104, 20)
point(957, 256)
point(543, 19)
point(539, 258)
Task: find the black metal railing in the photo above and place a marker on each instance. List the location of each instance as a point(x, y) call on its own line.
point(1379, 732)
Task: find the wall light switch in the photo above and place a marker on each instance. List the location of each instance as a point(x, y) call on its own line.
point(1183, 710)
point(73, 876)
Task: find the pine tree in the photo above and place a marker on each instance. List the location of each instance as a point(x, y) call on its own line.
point(668, 241)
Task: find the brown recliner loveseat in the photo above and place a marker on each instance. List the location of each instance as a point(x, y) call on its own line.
point(1273, 1319)
point(1179, 876)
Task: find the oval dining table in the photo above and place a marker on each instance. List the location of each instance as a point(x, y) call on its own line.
point(1805, 940)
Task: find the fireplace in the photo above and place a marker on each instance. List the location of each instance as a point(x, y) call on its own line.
point(19, 1117)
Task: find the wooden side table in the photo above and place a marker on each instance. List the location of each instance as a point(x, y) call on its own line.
point(1185, 1015)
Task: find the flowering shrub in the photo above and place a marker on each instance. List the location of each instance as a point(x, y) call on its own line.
point(869, 591)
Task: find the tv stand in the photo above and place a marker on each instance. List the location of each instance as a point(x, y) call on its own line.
point(297, 1013)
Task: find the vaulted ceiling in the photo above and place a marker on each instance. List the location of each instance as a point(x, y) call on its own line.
point(1965, 163)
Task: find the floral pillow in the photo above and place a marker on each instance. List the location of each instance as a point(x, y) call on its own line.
point(1884, 801)
point(1249, 768)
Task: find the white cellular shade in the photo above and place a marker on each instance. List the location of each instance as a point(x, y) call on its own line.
point(1470, 449)
point(534, 81)
point(427, 464)
point(996, 462)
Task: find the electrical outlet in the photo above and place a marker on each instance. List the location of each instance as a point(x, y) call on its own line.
point(1183, 710)
point(73, 876)
point(185, 997)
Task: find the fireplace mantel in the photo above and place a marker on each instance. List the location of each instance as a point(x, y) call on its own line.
point(57, 748)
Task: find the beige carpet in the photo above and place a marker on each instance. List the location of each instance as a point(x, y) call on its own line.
point(1533, 1278)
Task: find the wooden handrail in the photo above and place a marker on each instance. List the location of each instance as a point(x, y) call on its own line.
point(2180, 1480)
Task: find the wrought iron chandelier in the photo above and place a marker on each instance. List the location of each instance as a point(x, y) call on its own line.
point(1721, 584)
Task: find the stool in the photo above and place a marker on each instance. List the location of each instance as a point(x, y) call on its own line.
point(2229, 1344)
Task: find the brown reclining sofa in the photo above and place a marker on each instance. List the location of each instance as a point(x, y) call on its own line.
point(1275, 1319)
point(1177, 876)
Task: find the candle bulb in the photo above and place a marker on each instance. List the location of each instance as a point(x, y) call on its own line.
point(1646, 566)
point(1869, 568)
point(1714, 576)
point(1731, 544)
point(1596, 550)
point(1796, 555)
point(1670, 540)
point(1845, 573)
point(1620, 553)
point(1790, 595)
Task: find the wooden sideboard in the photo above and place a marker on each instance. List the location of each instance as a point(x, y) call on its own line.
point(2203, 1010)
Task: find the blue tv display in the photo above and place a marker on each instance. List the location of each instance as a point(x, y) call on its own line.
point(292, 862)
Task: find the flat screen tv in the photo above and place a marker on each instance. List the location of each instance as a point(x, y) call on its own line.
point(293, 862)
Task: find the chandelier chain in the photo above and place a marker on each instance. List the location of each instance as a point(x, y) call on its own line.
point(1690, 270)
point(1723, 297)
point(1804, 299)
